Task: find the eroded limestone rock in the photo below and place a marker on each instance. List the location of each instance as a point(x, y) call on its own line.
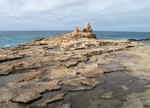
point(6, 95)
point(52, 99)
point(87, 28)
point(138, 100)
point(80, 83)
point(27, 97)
point(49, 64)
point(66, 106)
point(10, 105)
point(107, 95)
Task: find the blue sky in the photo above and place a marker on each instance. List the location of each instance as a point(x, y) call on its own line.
point(103, 15)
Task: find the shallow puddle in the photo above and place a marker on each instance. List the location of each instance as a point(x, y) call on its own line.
point(122, 57)
point(9, 78)
point(110, 66)
point(112, 93)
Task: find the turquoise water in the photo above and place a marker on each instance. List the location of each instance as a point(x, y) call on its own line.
point(14, 38)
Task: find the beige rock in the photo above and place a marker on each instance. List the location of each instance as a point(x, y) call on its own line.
point(139, 65)
point(66, 106)
point(148, 86)
point(76, 29)
point(87, 28)
point(124, 87)
point(107, 95)
point(138, 100)
point(6, 95)
point(80, 83)
point(27, 97)
point(10, 105)
point(30, 91)
point(52, 99)
point(80, 88)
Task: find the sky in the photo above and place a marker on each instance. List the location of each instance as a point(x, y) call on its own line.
point(103, 15)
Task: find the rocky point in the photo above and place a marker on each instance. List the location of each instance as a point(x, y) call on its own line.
point(50, 68)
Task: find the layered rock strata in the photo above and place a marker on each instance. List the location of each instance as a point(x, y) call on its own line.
point(52, 64)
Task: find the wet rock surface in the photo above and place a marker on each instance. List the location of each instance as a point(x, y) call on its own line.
point(75, 71)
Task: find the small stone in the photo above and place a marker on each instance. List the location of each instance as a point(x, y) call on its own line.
point(131, 80)
point(148, 86)
point(66, 106)
point(124, 87)
point(107, 95)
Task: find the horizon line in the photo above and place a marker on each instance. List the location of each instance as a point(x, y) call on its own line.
point(69, 31)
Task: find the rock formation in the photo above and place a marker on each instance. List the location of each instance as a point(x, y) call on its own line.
point(69, 61)
point(87, 28)
point(85, 33)
point(76, 29)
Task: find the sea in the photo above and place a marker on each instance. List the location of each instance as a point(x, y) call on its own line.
point(14, 38)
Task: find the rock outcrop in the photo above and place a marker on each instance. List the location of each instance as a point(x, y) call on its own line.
point(76, 29)
point(70, 61)
point(87, 28)
point(76, 34)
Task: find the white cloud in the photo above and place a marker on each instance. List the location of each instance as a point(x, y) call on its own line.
point(63, 14)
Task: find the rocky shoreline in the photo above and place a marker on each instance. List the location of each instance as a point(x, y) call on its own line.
point(55, 72)
point(147, 39)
